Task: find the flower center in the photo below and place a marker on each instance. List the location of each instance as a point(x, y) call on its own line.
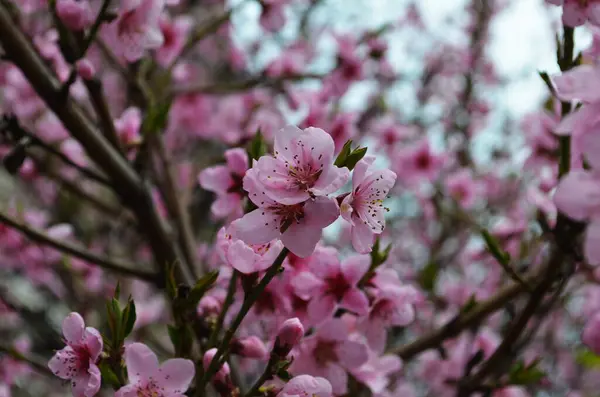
point(289, 214)
point(338, 286)
point(325, 352)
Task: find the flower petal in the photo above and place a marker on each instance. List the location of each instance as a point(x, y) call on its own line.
point(175, 375)
point(355, 301)
point(63, 363)
point(72, 328)
point(141, 362)
point(352, 354)
point(257, 227)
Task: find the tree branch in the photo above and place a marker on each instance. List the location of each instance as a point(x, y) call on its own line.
point(126, 182)
point(115, 266)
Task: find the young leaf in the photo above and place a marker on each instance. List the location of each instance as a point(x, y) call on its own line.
point(108, 375)
point(129, 317)
point(428, 276)
point(344, 153)
point(203, 285)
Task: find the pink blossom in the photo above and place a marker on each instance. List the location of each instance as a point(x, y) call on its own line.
point(591, 333)
point(251, 347)
point(306, 385)
point(585, 205)
point(136, 29)
point(375, 372)
point(302, 166)
point(272, 17)
point(330, 353)
point(417, 162)
point(85, 69)
point(246, 258)
point(76, 15)
point(175, 35)
point(147, 377)
point(462, 188)
point(77, 361)
point(298, 226)
point(128, 126)
point(226, 181)
point(223, 373)
point(331, 284)
point(393, 306)
point(577, 12)
point(363, 207)
point(289, 335)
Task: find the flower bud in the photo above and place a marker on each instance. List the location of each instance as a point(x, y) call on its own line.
point(251, 347)
point(76, 15)
point(222, 374)
point(591, 334)
point(221, 381)
point(289, 335)
point(85, 69)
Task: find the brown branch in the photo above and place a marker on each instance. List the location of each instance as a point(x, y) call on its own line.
point(464, 320)
point(35, 362)
point(115, 266)
point(126, 182)
point(236, 86)
point(176, 207)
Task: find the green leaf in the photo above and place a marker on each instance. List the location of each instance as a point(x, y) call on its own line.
point(355, 157)
point(203, 285)
point(284, 375)
point(174, 335)
point(344, 153)
point(494, 248)
point(129, 317)
point(428, 276)
point(469, 305)
point(588, 359)
point(171, 282)
point(108, 375)
point(117, 290)
point(520, 374)
point(257, 147)
point(156, 118)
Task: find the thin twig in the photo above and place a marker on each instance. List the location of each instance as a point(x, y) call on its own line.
point(115, 266)
point(463, 320)
point(249, 301)
point(36, 362)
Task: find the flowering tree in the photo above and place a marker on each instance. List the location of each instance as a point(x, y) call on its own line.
point(229, 219)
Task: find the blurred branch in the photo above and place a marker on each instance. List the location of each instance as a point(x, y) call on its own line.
point(126, 182)
point(464, 320)
point(115, 266)
point(233, 87)
point(35, 362)
point(11, 124)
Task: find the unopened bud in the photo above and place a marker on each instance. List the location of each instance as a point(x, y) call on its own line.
point(221, 381)
point(289, 335)
point(76, 15)
point(251, 347)
point(85, 69)
point(223, 372)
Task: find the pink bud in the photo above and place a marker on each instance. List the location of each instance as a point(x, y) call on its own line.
point(85, 69)
point(591, 333)
point(209, 306)
point(223, 374)
point(251, 347)
point(289, 335)
point(74, 14)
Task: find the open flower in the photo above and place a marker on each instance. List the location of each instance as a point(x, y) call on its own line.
point(331, 284)
point(302, 166)
point(298, 226)
point(306, 385)
point(136, 29)
point(77, 361)
point(363, 207)
point(330, 353)
point(147, 378)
